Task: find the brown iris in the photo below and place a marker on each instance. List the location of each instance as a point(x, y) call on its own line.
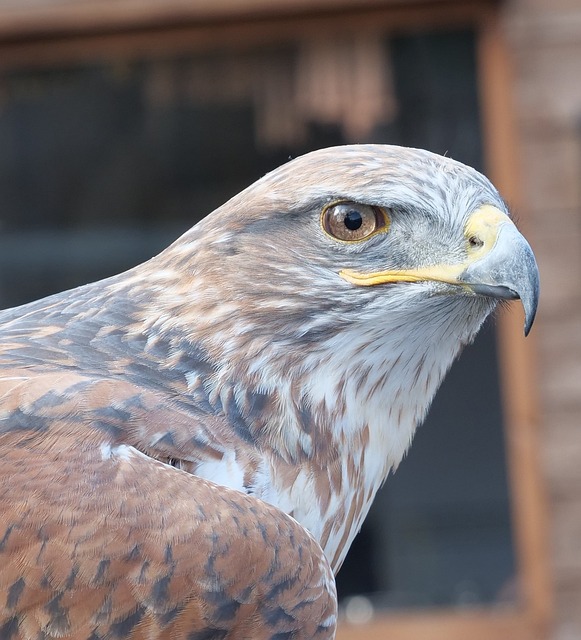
point(351, 221)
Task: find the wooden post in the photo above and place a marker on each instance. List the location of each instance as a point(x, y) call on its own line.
point(517, 356)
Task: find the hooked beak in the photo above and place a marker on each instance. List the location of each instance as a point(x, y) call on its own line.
point(507, 271)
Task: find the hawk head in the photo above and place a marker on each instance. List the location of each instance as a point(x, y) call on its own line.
point(339, 289)
point(365, 252)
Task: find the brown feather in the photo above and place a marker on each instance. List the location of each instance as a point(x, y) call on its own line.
point(98, 542)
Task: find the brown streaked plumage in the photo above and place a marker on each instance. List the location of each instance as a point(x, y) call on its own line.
point(157, 429)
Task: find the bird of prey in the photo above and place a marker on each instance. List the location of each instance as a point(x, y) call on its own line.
point(188, 449)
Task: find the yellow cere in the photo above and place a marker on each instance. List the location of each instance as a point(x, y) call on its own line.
point(483, 224)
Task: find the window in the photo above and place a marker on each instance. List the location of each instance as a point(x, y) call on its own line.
point(105, 157)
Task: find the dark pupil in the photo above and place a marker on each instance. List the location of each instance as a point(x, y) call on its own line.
point(353, 220)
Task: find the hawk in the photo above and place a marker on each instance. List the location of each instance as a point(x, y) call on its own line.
point(189, 448)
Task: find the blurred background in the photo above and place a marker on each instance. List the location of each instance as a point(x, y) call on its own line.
point(123, 122)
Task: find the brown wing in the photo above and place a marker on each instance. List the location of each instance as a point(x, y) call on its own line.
point(100, 541)
point(157, 387)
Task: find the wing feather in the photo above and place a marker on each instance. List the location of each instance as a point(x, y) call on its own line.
point(100, 540)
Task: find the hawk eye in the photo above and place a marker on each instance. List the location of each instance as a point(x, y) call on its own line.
point(351, 221)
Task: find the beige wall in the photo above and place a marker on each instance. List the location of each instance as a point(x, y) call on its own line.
point(545, 40)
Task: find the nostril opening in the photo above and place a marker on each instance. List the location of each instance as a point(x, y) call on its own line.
point(475, 242)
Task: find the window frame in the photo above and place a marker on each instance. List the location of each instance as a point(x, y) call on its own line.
point(74, 33)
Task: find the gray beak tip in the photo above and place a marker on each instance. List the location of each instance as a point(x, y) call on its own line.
point(530, 300)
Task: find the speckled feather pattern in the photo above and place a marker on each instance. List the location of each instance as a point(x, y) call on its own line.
point(189, 448)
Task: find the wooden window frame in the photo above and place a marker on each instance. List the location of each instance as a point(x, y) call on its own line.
point(92, 30)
